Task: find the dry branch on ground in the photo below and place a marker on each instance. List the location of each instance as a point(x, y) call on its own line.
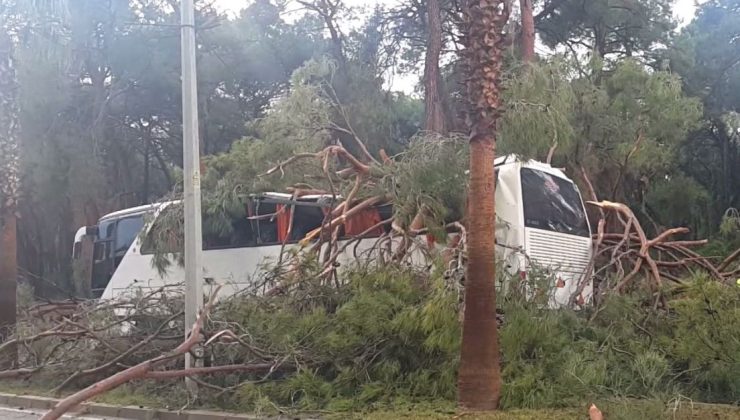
point(629, 256)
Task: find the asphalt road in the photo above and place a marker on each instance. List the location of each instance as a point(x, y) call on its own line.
point(9, 413)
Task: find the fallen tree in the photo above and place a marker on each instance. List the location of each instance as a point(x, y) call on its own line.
point(393, 332)
point(622, 259)
point(112, 343)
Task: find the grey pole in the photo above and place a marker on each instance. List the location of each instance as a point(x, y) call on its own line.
point(191, 166)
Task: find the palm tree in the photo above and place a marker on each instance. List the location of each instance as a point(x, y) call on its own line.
point(479, 377)
point(9, 179)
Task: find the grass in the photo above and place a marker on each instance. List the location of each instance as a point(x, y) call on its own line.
point(612, 410)
point(616, 409)
point(125, 396)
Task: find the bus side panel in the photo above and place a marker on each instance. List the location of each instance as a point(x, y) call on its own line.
point(509, 226)
point(235, 269)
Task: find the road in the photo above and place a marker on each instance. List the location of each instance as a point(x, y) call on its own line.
point(9, 413)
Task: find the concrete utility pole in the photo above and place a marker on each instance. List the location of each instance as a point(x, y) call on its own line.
point(191, 156)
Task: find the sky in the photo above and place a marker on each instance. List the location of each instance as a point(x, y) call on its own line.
point(683, 10)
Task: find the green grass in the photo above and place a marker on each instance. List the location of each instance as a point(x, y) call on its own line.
point(616, 409)
point(125, 395)
point(612, 410)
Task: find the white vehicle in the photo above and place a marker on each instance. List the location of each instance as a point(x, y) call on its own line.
point(541, 221)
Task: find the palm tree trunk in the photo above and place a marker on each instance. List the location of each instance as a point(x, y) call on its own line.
point(479, 377)
point(9, 178)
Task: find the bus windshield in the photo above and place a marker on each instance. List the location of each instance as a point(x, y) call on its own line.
point(552, 203)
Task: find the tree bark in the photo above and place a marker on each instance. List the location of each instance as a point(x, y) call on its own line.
point(8, 274)
point(528, 34)
point(434, 110)
point(479, 376)
point(9, 180)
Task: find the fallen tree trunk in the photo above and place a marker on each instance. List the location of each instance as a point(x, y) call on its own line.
point(729, 260)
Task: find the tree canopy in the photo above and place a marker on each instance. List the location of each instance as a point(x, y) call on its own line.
point(648, 111)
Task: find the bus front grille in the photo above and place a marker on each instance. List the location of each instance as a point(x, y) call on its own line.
point(560, 252)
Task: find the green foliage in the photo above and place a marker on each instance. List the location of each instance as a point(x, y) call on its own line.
point(615, 29)
point(679, 199)
point(430, 175)
point(629, 129)
point(391, 337)
point(728, 238)
point(707, 325)
point(362, 345)
point(705, 55)
point(539, 101)
point(625, 125)
point(730, 225)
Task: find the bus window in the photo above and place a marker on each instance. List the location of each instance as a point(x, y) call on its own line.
point(126, 231)
point(272, 221)
point(265, 223)
point(238, 234)
point(106, 229)
point(76, 250)
point(215, 235)
point(305, 219)
point(552, 203)
point(164, 232)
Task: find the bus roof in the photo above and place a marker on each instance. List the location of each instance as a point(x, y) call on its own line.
point(287, 196)
point(80, 234)
point(531, 163)
point(131, 211)
point(500, 161)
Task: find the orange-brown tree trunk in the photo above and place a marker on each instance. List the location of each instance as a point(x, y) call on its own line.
point(434, 110)
point(479, 376)
point(528, 35)
point(9, 178)
point(8, 272)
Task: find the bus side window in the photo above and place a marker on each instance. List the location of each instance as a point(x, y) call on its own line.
point(76, 250)
point(167, 237)
point(265, 223)
point(238, 233)
point(305, 219)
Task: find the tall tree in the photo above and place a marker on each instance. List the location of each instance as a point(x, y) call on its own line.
point(528, 35)
point(479, 380)
point(434, 110)
point(707, 55)
point(9, 180)
point(608, 28)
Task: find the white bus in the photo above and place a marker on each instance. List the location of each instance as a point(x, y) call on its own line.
point(541, 221)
